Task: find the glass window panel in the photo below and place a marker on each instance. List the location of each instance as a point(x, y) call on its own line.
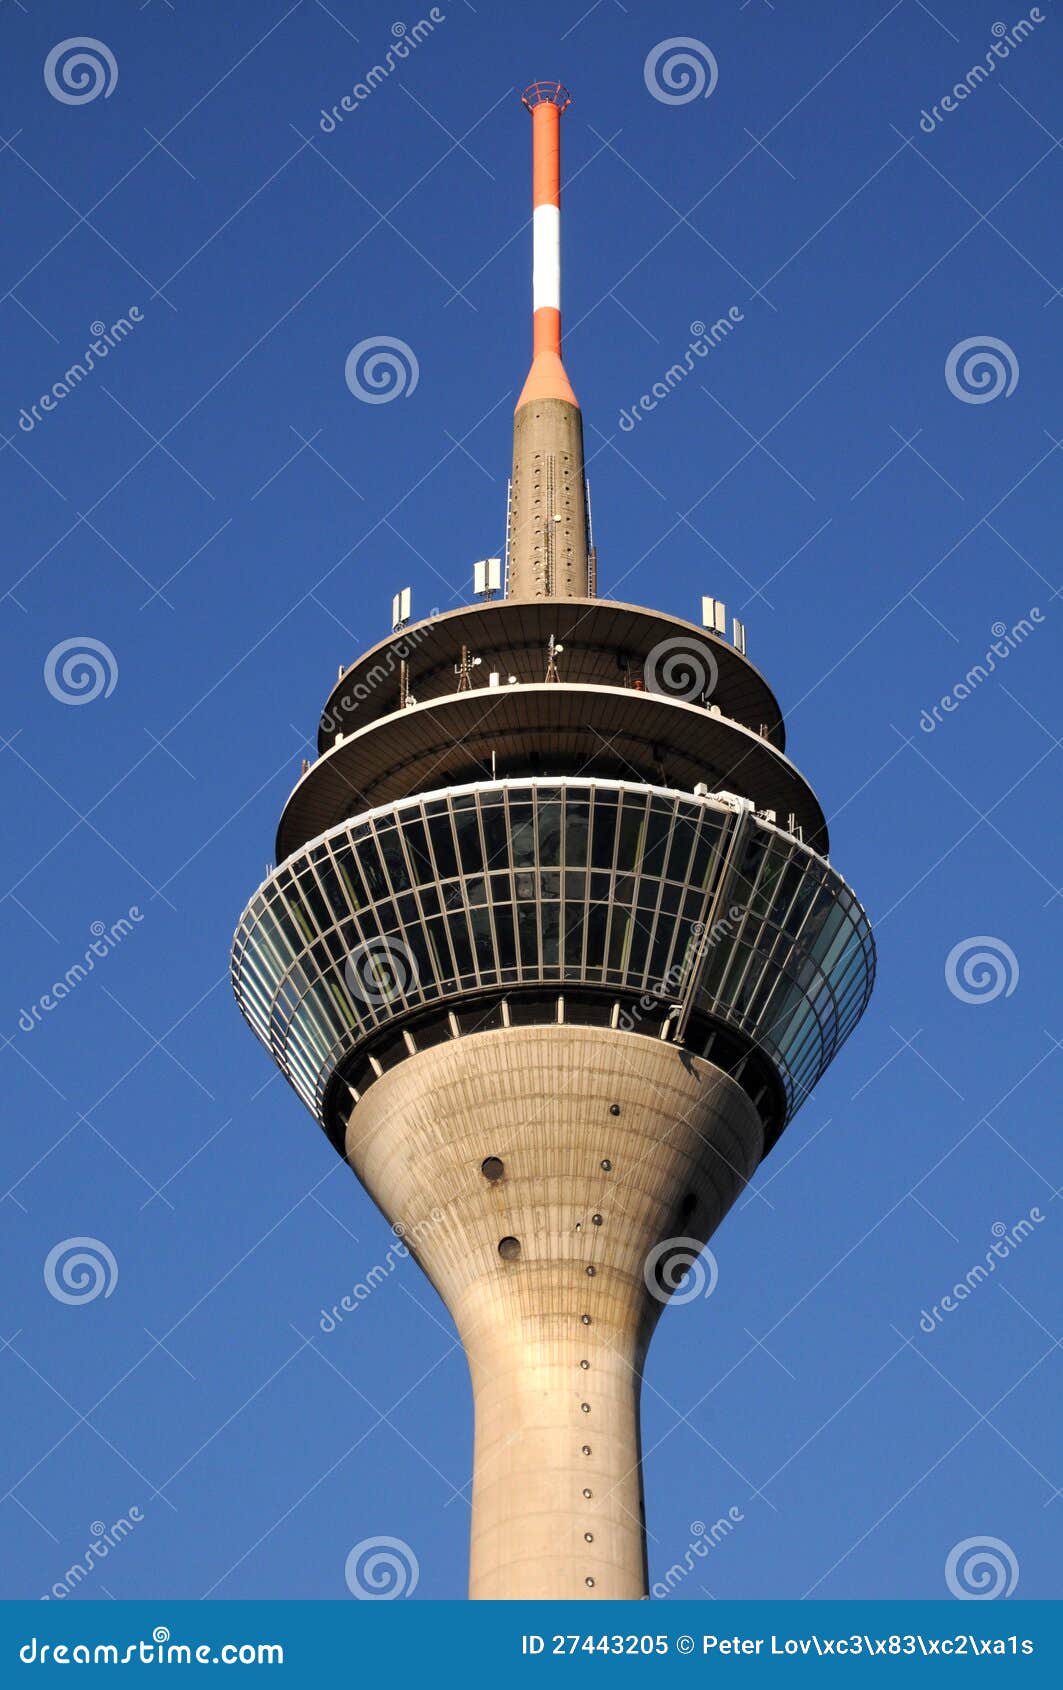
point(632, 822)
point(443, 846)
point(577, 829)
point(604, 832)
point(470, 850)
point(528, 933)
point(522, 834)
point(597, 923)
point(551, 923)
point(550, 832)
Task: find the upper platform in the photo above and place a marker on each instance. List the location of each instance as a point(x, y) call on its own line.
point(605, 644)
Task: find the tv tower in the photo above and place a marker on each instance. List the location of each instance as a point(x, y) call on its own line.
point(553, 952)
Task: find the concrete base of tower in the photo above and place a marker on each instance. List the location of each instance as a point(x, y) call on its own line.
point(549, 1179)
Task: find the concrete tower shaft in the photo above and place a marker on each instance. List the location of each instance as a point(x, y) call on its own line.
point(547, 536)
point(533, 1170)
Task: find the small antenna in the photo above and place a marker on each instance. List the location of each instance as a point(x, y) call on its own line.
point(487, 577)
point(714, 615)
point(400, 609)
point(553, 652)
point(464, 669)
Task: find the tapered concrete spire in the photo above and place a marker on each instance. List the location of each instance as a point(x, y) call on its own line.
point(548, 539)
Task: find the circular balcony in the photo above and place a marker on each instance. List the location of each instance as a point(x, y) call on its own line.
point(604, 644)
point(690, 907)
point(560, 728)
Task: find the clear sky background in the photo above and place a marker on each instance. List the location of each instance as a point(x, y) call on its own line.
point(217, 509)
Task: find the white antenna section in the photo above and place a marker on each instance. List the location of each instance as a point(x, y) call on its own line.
point(487, 576)
point(400, 609)
point(714, 615)
point(739, 635)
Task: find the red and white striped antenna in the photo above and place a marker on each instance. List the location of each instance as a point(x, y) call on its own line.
point(546, 378)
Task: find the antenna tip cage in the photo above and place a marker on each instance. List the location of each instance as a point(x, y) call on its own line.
point(546, 94)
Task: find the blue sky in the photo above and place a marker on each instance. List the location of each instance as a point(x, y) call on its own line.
point(215, 507)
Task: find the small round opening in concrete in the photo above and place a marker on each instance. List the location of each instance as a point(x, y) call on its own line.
point(585, 1407)
point(584, 1365)
point(586, 1449)
point(591, 1272)
point(588, 1537)
point(587, 1493)
point(607, 1164)
point(589, 1583)
point(586, 1319)
point(509, 1249)
point(614, 1109)
point(492, 1168)
point(597, 1220)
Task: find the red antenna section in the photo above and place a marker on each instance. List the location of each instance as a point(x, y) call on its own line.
point(546, 378)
